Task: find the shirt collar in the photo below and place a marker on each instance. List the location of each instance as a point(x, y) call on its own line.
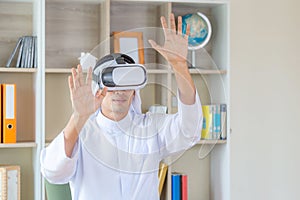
point(108, 124)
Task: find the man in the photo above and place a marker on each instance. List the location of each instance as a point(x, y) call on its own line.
point(108, 149)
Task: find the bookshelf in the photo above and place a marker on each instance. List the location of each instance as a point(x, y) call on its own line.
point(23, 18)
point(65, 29)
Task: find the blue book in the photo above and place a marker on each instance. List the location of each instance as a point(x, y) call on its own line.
point(217, 123)
point(176, 186)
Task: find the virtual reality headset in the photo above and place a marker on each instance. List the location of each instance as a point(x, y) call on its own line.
point(117, 72)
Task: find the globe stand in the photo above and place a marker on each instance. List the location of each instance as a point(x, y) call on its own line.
point(192, 61)
point(193, 58)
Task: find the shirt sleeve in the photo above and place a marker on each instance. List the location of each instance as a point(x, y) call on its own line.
point(182, 130)
point(56, 166)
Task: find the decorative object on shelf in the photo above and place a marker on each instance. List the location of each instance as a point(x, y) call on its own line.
point(87, 60)
point(158, 109)
point(27, 56)
point(10, 182)
point(130, 43)
point(200, 30)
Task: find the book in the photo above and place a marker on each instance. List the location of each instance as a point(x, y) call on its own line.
point(207, 122)
point(35, 52)
point(223, 111)
point(176, 186)
point(179, 186)
point(10, 182)
point(30, 43)
point(163, 168)
point(24, 52)
point(18, 64)
point(216, 122)
point(184, 187)
point(12, 55)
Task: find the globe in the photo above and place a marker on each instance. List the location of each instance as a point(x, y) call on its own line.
point(200, 30)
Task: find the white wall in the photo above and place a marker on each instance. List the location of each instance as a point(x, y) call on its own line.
point(265, 94)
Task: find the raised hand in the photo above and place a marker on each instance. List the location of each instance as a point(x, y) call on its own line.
point(175, 48)
point(84, 103)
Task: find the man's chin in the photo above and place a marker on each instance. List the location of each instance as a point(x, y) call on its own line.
point(119, 110)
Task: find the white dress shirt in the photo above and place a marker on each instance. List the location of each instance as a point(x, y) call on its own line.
point(120, 160)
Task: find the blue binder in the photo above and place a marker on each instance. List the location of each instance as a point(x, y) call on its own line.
point(176, 186)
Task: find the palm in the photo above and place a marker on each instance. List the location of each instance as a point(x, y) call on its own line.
point(175, 48)
point(84, 103)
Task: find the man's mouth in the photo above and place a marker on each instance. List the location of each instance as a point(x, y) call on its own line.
point(119, 100)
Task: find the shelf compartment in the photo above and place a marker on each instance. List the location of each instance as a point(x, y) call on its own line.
point(72, 28)
point(21, 14)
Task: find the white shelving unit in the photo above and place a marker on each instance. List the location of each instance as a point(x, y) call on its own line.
point(65, 29)
point(19, 18)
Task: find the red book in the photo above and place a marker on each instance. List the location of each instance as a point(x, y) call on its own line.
point(184, 187)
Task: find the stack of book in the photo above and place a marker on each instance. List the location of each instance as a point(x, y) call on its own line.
point(179, 186)
point(27, 53)
point(214, 122)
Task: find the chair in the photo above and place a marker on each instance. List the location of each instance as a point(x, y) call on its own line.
point(57, 191)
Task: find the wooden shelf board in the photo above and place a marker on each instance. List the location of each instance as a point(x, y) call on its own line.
point(68, 70)
point(19, 145)
point(58, 70)
point(157, 71)
point(207, 71)
point(18, 70)
point(212, 142)
point(150, 71)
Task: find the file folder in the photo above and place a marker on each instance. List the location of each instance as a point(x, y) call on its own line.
point(9, 134)
point(0, 113)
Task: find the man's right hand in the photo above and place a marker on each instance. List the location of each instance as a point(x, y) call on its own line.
point(84, 103)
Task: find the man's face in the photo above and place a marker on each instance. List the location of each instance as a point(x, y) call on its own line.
point(117, 101)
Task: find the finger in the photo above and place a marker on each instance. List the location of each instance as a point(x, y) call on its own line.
point(71, 84)
point(89, 76)
point(75, 78)
point(103, 92)
point(164, 25)
point(156, 47)
point(179, 28)
point(80, 75)
point(100, 96)
point(173, 25)
point(188, 29)
point(153, 44)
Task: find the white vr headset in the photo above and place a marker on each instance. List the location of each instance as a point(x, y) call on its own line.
point(116, 72)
